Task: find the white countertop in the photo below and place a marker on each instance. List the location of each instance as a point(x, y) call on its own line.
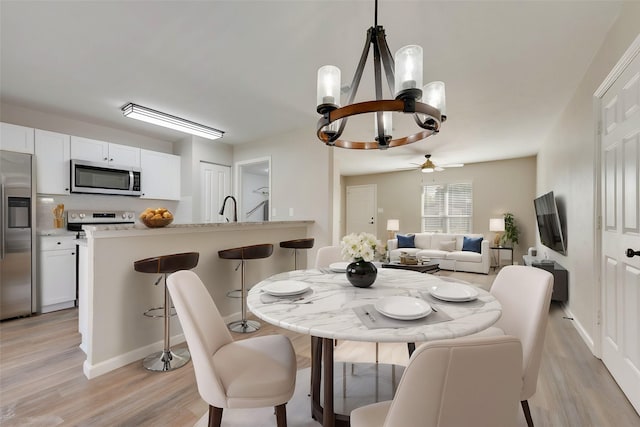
point(113, 230)
point(331, 315)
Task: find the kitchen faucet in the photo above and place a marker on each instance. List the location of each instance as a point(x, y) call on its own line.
point(235, 208)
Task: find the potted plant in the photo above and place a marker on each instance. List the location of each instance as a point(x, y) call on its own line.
point(511, 232)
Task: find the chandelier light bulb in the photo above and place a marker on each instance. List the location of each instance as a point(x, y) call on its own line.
point(328, 93)
point(408, 70)
point(433, 94)
point(387, 121)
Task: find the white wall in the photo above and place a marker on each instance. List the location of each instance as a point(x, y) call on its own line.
point(566, 166)
point(301, 180)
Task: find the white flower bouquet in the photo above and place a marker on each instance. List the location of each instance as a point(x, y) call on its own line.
point(361, 246)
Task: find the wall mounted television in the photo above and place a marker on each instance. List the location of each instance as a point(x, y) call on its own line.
point(549, 224)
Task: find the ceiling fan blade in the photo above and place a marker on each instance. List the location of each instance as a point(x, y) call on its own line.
point(453, 165)
point(438, 169)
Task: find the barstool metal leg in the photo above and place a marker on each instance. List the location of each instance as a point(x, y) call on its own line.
point(167, 359)
point(243, 326)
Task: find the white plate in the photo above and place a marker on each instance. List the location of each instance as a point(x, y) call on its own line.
point(339, 267)
point(403, 308)
point(456, 292)
point(286, 287)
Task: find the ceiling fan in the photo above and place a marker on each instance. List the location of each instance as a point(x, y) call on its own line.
point(428, 166)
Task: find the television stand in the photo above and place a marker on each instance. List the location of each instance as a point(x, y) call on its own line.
point(560, 276)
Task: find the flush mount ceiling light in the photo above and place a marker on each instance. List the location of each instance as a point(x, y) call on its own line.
point(134, 111)
point(404, 77)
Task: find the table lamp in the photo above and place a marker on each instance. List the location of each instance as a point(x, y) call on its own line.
point(497, 225)
point(393, 225)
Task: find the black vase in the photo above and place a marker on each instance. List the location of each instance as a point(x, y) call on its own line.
point(361, 274)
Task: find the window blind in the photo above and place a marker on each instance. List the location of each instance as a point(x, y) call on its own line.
point(447, 208)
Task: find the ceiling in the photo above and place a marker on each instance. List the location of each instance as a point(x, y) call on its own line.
point(249, 67)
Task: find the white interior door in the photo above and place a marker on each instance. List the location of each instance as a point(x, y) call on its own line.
point(215, 184)
point(620, 157)
point(361, 209)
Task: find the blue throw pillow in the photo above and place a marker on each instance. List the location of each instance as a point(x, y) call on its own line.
point(472, 244)
point(406, 241)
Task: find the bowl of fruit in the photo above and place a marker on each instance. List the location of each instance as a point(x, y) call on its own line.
point(154, 218)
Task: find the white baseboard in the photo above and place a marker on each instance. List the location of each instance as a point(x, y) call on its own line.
point(59, 306)
point(581, 330)
point(93, 371)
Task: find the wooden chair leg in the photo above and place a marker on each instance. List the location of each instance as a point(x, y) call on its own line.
point(527, 412)
point(215, 416)
point(281, 415)
point(411, 347)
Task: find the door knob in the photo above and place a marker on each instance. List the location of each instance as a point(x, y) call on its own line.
point(631, 253)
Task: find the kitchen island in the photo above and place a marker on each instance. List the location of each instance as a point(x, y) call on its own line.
point(113, 296)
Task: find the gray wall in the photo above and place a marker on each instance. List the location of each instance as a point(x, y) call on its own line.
point(498, 187)
point(567, 165)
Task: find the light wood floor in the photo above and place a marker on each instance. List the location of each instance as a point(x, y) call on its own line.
point(42, 384)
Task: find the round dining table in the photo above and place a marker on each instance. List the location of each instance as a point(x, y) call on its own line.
point(324, 305)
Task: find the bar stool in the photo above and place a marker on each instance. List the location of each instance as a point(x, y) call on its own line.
point(295, 245)
point(167, 359)
point(244, 253)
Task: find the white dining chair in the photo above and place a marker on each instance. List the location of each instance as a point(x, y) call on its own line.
point(327, 255)
point(525, 296)
point(249, 373)
point(450, 383)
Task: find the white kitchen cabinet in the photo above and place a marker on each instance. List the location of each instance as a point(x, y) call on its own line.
point(16, 138)
point(57, 272)
point(53, 152)
point(160, 176)
point(96, 151)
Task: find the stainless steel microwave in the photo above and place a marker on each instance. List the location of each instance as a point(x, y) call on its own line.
point(100, 178)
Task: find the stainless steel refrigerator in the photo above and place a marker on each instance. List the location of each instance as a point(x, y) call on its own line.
point(16, 235)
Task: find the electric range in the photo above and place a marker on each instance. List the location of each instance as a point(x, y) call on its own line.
point(76, 219)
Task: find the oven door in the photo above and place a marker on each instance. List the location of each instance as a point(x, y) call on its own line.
point(97, 178)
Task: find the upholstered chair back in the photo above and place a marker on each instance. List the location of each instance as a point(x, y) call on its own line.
point(327, 255)
point(525, 295)
point(204, 330)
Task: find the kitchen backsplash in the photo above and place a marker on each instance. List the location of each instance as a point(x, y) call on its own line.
point(46, 204)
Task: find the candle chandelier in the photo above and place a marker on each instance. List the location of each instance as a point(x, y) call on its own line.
point(404, 77)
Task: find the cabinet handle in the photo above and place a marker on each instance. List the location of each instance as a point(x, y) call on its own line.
point(59, 243)
point(105, 159)
point(73, 253)
point(111, 160)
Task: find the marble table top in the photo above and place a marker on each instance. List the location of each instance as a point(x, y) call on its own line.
point(326, 310)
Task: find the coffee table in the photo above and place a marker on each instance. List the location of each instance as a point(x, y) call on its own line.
point(427, 267)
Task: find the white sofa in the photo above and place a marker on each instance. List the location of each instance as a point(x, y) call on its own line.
point(440, 247)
